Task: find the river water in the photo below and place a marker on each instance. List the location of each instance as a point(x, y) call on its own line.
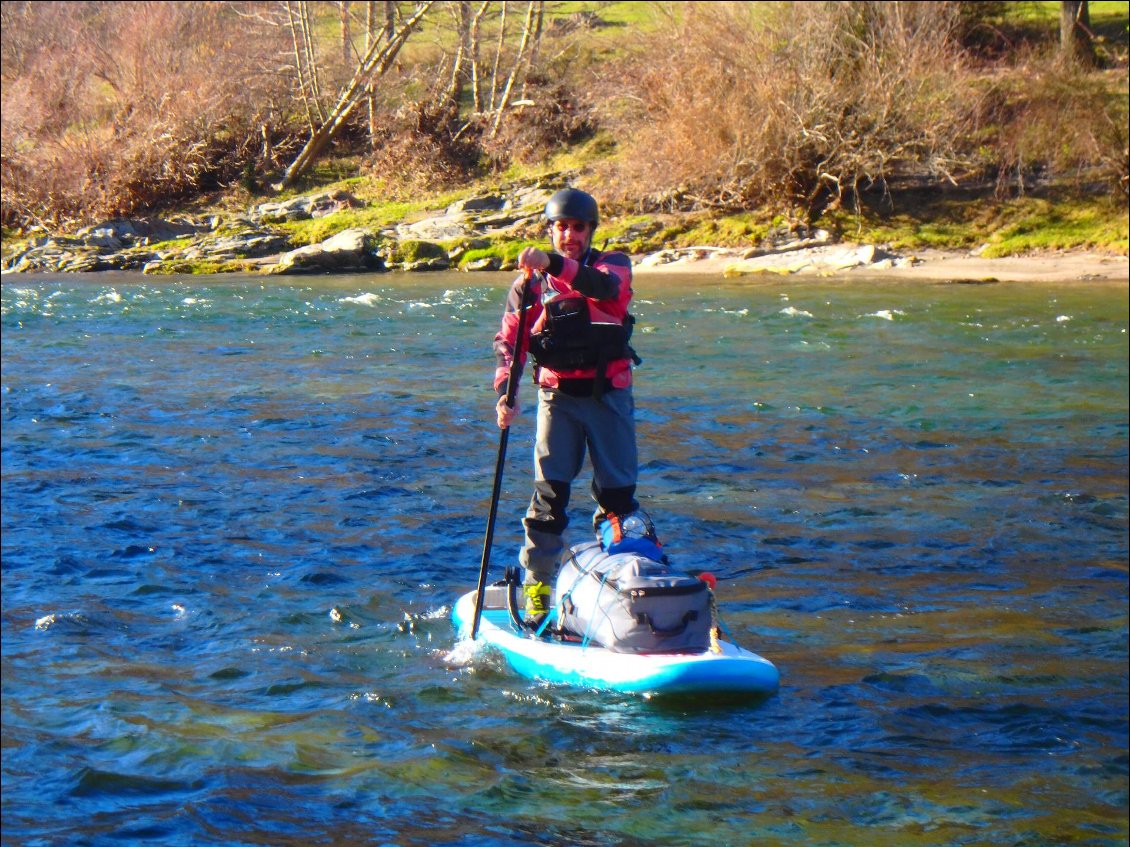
point(236, 515)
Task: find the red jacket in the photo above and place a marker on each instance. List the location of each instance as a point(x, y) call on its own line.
point(604, 281)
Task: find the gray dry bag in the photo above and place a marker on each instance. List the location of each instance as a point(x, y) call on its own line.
point(631, 604)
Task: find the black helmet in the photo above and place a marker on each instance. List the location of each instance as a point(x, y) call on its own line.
point(572, 203)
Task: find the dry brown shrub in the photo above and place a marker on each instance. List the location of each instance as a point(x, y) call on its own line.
point(553, 121)
point(419, 148)
point(123, 108)
point(1050, 121)
point(791, 106)
point(428, 145)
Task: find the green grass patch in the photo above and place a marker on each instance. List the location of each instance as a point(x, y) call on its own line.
point(317, 230)
point(505, 251)
point(1002, 227)
point(416, 251)
point(645, 234)
point(1047, 11)
point(1039, 225)
point(203, 266)
point(631, 233)
point(741, 230)
point(1110, 23)
point(601, 146)
point(941, 225)
point(637, 16)
point(173, 245)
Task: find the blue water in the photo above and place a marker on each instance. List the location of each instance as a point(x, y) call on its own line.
point(236, 515)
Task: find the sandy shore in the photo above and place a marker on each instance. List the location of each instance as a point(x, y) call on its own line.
point(847, 261)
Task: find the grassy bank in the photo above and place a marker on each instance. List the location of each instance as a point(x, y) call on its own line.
point(951, 126)
point(1062, 202)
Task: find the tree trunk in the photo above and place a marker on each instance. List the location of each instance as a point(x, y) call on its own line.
point(390, 19)
point(504, 100)
point(1075, 35)
point(311, 58)
point(294, 23)
point(454, 92)
point(498, 55)
point(343, 7)
point(476, 75)
point(372, 65)
point(536, 49)
point(370, 92)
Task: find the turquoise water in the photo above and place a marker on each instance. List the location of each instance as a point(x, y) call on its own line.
point(236, 516)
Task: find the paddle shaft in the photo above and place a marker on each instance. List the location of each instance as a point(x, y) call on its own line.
point(511, 393)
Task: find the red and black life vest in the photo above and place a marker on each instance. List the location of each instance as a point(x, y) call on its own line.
point(569, 339)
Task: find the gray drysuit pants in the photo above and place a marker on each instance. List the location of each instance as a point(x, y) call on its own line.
point(567, 427)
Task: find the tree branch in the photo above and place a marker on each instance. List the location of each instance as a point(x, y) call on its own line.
point(374, 63)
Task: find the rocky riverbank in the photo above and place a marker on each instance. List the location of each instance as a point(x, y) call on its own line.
point(254, 241)
point(458, 236)
point(849, 261)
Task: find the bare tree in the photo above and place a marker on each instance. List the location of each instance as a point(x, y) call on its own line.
point(498, 55)
point(473, 47)
point(527, 33)
point(373, 64)
point(392, 15)
point(459, 70)
point(1075, 35)
point(370, 39)
point(343, 9)
point(298, 21)
point(536, 49)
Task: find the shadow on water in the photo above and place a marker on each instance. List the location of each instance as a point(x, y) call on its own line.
point(236, 516)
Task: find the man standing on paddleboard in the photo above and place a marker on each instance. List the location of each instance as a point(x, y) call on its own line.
point(577, 329)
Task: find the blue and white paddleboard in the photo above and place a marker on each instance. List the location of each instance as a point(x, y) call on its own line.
point(730, 670)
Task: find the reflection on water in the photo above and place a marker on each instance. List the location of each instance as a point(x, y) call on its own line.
point(236, 515)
